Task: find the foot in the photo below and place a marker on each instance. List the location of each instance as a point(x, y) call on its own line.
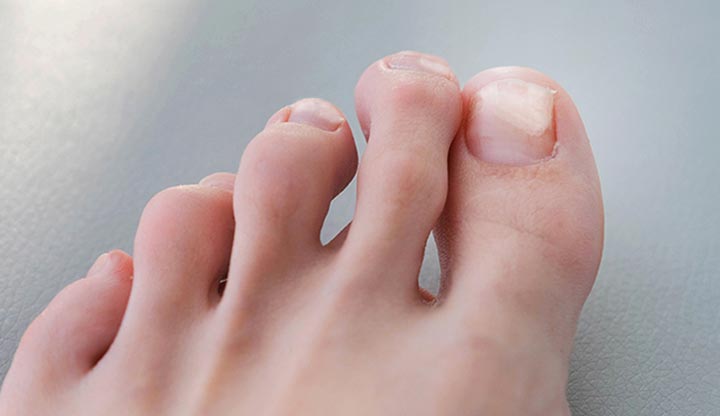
point(237, 308)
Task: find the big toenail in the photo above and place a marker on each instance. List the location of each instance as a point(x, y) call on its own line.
point(316, 113)
point(412, 61)
point(512, 122)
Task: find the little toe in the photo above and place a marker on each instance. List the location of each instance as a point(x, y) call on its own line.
point(409, 106)
point(522, 229)
point(76, 329)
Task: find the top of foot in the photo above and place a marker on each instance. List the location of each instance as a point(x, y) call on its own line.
point(232, 305)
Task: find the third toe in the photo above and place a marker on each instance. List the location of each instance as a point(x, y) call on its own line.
point(288, 176)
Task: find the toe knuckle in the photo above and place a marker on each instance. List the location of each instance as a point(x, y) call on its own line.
point(268, 153)
point(170, 212)
point(271, 180)
point(410, 181)
point(570, 225)
point(409, 92)
point(49, 322)
point(171, 204)
point(560, 214)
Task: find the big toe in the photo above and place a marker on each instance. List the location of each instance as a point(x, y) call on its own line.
point(521, 234)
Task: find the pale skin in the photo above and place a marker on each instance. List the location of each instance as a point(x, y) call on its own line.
point(302, 328)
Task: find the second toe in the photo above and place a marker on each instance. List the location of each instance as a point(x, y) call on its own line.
point(409, 106)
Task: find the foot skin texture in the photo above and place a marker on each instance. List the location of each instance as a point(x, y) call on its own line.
point(231, 305)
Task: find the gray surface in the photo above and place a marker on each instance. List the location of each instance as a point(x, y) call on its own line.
point(101, 106)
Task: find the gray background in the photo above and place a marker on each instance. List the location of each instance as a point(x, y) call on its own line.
point(104, 103)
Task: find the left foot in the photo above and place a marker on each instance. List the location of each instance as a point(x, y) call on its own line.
point(304, 328)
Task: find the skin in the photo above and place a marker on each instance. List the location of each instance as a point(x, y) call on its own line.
point(303, 328)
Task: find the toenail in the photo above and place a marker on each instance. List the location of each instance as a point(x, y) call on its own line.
point(316, 113)
point(410, 61)
point(220, 181)
point(512, 122)
point(101, 265)
point(281, 116)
